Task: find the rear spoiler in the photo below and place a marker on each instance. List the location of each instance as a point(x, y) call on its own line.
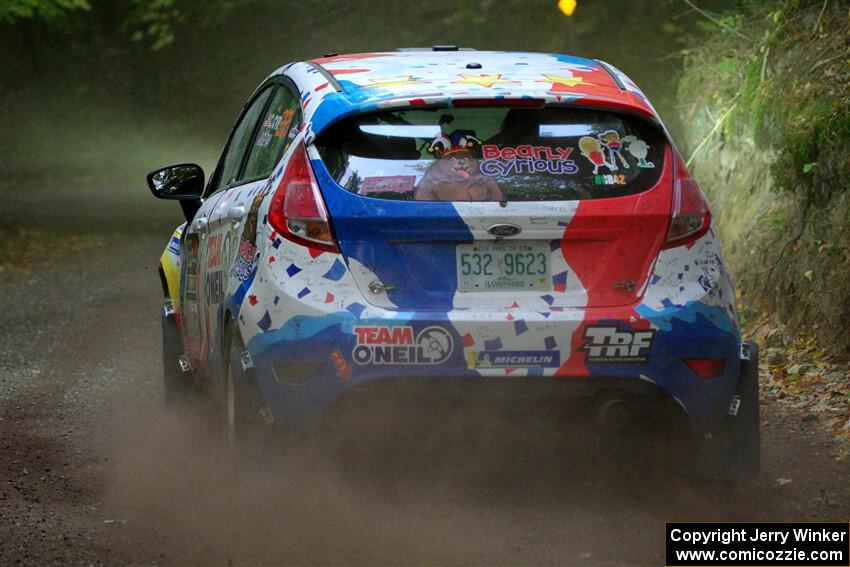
point(629, 103)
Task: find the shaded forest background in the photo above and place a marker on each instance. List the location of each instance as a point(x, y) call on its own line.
point(102, 87)
point(95, 93)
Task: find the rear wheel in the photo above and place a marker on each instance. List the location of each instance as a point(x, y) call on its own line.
point(242, 419)
point(733, 450)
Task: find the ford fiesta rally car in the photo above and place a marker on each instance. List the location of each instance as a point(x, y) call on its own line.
point(459, 219)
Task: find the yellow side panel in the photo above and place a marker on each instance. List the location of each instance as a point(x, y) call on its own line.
point(170, 262)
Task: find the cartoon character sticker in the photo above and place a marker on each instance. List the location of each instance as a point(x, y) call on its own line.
point(611, 140)
point(592, 150)
point(639, 150)
point(456, 174)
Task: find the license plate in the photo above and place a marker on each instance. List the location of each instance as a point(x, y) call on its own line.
point(501, 266)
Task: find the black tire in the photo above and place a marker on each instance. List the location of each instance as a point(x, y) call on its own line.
point(241, 400)
point(733, 451)
point(178, 384)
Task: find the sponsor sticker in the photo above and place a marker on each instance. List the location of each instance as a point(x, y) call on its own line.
point(214, 251)
point(264, 138)
point(499, 162)
point(343, 370)
point(244, 260)
point(214, 284)
point(609, 179)
point(388, 184)
point(611, 344)
point(513, 359)
point(174, 245)
point(401, 345)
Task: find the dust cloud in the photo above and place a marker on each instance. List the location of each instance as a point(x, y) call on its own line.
point(442, 482)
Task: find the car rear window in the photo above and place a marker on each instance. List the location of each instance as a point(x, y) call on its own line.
point(493, 154)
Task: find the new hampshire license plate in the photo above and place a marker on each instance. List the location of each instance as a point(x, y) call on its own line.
point(499, 266)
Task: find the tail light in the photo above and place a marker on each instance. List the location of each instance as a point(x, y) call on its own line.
point(297, 210)
point(707, 368)
point(691, 217)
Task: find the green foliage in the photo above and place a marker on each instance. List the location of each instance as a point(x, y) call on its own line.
point(155, 22)
point(152, 22)
point(776, 170)
point(12, 10)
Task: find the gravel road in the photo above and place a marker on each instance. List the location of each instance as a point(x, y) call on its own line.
point(94, 470)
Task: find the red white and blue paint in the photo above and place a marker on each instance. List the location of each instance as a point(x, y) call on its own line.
point(626, 300)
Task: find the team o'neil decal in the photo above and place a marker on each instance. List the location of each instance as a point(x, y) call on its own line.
point(611, 344)
point(401, 345)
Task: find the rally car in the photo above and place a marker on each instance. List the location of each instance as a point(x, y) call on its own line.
point(454, 218)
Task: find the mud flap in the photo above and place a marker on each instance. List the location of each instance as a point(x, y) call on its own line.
point(732, 450)
point(177, 381)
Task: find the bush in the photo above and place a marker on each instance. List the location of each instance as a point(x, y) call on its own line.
point(766, 95)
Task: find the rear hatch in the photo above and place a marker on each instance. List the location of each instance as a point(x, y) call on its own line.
point(496, 206)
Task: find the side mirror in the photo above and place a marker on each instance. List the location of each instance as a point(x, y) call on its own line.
point(181, 182)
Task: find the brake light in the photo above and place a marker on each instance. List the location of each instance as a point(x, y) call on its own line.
point(690, 217)
point(297, 210)
point(706, 368)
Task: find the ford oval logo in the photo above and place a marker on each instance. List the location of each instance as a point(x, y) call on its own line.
point(504, 230)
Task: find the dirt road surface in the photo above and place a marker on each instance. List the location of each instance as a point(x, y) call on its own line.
point(94, 470)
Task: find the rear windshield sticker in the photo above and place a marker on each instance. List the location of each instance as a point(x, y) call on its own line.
point(639, 150)
point(388, 184)
point(456, 174)
point(493, 154)
point(592, 150)
point(456, 142)
point(611, 140)
point(609, 179)
point(500, 162)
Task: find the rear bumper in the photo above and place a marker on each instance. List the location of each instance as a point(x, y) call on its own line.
point(314, 338)
point(314, 362)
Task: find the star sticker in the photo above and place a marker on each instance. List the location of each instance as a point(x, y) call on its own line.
point(561, 83)
point(409, 80)
point(483, 79)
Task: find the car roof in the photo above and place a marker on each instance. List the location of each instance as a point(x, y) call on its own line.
point(340, 85)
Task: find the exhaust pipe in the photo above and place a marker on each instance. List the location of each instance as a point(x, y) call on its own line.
point(615, 415)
